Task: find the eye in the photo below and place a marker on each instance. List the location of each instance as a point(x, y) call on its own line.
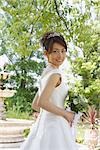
point(64, 51)
point(54, 51)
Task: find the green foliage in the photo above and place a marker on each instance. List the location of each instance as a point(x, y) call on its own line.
point(12, 113)
point(76, 99)
point(22, 25)
point(25, 84)
point(22, 100)
point(88, 68)
point(26, 132)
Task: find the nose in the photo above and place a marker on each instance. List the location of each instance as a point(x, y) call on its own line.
point(60, 55)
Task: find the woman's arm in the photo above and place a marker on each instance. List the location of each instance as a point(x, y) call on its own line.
point(44, 98)
point(34, 103)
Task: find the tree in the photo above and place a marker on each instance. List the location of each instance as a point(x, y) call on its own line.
point(88, 65)
point(29, 19)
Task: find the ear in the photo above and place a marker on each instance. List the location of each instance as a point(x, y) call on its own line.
point(45, 53)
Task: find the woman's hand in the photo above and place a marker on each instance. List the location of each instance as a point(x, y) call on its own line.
point(69, 116)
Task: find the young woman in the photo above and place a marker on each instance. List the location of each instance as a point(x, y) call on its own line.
point(52, 130)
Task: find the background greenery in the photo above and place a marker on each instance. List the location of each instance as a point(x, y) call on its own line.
point(22, 23)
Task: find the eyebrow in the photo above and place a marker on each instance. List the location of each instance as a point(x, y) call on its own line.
point(58, 49)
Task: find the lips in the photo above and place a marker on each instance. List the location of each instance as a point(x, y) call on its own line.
point(59, 60)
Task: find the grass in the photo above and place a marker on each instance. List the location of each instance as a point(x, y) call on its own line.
point(18, 115)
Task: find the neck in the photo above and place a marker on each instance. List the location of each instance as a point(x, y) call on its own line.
point(53, 66)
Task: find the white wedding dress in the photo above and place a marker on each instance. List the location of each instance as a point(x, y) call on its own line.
point(50, 131)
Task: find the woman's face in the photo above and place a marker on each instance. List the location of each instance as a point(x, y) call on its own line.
point(57, 55)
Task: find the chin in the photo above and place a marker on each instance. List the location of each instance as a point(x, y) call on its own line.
point(60, 63)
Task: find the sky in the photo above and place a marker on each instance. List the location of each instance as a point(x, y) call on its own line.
point(3, 60)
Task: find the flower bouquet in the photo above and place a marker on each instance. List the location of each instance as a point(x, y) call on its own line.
point(76, 103)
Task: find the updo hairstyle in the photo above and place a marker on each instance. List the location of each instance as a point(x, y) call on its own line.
point(50, 38)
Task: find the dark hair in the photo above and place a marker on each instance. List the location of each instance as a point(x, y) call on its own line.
point(50, 38)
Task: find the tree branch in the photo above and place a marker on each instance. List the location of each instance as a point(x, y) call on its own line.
point(65, 23)
point(45, 4)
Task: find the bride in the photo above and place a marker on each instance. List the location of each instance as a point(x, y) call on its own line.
point(52, 129)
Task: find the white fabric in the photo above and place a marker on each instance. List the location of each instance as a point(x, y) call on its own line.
point(51, 132)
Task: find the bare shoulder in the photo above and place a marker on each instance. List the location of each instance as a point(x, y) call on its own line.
point(54, 79)
point(55, 76)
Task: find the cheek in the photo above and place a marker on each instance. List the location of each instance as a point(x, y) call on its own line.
point(50, 58)
point(65, 56)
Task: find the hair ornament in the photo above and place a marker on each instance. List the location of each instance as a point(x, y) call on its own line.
point(53, 35)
